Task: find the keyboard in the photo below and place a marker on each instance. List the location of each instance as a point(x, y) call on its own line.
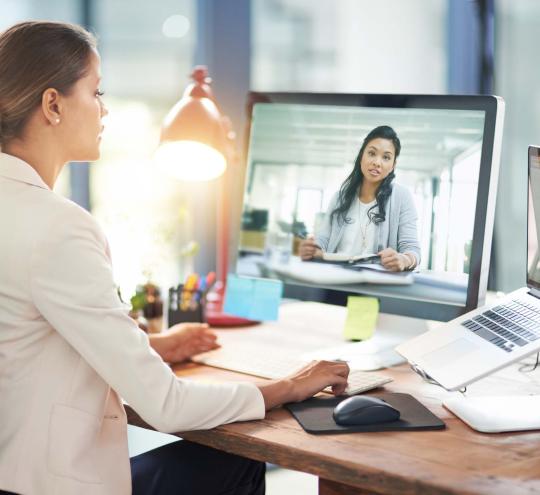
point(274, 366)
point(508, 326)
point(362, 381)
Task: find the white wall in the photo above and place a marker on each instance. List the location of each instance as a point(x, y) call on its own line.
point(350, 45)
point(517, 80)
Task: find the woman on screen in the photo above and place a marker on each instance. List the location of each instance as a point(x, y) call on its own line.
point(69, 352)
point(371, 214)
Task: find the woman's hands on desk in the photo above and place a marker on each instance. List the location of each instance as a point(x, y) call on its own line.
point(397, 262)
point(305, 383)
point(182, 341)
point(309, 249)
point(318, 375)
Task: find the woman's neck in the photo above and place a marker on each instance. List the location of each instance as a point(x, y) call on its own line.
point(368, 192)
point(43, 159)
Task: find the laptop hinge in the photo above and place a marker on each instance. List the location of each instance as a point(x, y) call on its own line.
point(535, 292)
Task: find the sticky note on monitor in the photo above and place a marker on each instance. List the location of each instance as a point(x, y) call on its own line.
point(253, 298)
point(362, 313)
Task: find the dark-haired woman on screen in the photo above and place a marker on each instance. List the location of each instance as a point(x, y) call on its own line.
point(371, 214)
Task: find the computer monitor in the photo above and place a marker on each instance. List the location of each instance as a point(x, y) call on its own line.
point(373, 175)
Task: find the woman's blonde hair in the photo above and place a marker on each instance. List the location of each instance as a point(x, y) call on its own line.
point(35, 56)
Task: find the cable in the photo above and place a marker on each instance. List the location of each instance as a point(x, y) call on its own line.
point(430, 380)
point(528, 367)
point(424, 375)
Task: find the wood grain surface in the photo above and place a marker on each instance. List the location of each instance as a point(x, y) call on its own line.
point(457, 460)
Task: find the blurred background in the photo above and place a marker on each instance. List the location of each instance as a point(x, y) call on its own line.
point(149, 48)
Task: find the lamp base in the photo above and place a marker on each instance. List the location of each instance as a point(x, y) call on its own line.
point(214, 314)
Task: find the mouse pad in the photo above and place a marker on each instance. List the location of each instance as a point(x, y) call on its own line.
point(315, 415)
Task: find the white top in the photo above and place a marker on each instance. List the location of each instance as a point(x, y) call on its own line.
point(359, 233)
point(69, 351)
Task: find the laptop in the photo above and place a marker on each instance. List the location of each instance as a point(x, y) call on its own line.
point(487, 339)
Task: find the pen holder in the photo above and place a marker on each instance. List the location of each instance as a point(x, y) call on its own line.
point(186, 305)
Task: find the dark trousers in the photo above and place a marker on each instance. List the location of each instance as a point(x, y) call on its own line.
point(186, 468)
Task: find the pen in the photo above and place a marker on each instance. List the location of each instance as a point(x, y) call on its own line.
point(193, 292)
point(304, 236)
point(210, 280)
point(187, 291)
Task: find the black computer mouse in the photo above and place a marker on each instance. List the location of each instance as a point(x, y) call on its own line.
point(364, 410)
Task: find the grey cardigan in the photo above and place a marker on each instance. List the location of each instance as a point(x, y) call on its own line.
point(398, 231)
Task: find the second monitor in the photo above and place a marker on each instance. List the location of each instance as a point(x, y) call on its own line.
point(387, 195)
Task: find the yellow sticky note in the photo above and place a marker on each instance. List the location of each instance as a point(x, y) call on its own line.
point(362, 315)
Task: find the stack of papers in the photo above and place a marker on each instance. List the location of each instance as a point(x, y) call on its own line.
point(323, 274)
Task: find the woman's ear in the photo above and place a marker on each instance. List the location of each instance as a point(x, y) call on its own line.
point(50, 106)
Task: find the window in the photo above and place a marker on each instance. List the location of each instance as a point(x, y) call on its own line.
point(146, 52)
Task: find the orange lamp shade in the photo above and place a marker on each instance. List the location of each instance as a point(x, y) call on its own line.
point(193, 143)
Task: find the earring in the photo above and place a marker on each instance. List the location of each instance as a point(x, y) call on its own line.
point(57, 121)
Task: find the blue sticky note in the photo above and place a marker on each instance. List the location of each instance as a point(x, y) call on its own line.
point(238, 295)
point(253, 298)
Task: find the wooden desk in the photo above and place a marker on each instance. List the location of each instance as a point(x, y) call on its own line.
point(457, 460)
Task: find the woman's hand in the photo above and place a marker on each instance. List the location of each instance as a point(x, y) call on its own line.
point(305, 383)
point(397, 262)
point(182, 341)
point(308, 249)
point(318, 375)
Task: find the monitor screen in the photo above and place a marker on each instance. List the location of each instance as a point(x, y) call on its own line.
point(377, 195)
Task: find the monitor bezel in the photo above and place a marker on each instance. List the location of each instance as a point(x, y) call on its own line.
point(493, 106)
point(532, 151)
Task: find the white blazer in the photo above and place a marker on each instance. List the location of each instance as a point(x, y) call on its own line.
point(69, 351)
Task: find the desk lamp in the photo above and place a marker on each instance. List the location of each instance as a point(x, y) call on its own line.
point(195, 140)
point(197, 143)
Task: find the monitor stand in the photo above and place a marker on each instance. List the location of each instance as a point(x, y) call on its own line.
point(378, 351)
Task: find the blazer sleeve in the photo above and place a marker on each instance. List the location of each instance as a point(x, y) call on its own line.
point(322, 236)
point(73, 288)
point(407, 228)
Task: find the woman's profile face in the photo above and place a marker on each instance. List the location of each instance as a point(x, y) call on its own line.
point(378, 160)
point(84, 109)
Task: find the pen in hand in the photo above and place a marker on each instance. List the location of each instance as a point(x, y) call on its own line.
point(308, 247)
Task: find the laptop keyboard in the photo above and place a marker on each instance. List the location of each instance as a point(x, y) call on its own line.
point(508, 326)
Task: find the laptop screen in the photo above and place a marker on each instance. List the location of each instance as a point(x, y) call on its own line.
point(533, 256)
